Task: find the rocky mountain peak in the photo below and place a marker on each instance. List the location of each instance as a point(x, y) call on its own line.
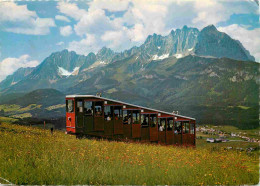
point(105, 54)
point(211, 42)
point(209, 28)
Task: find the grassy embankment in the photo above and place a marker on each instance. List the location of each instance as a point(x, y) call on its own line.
point(31, 155)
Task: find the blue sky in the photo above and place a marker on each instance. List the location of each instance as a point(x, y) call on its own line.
point(31, 30)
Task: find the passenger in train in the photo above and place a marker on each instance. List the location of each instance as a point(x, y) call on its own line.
point(144, 122)
point(98, 112)
point(116, 116)
point(108, 116)
point(152, 123)
point(179, 130)
point(125, 120)
point(89, 111)
point(161, 128)
point(129, 120)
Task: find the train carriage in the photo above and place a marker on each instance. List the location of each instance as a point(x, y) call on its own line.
point(106, 118)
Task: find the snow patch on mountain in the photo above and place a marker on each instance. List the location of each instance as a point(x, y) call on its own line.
point(102, 62)
point(96, 64)
point(164, 56)
point(64, 72)
point(178, 56)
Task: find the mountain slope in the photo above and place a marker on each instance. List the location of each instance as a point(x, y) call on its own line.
point(17, 76)
point(41, 103)
point(64, 69)
point(211, 42)
point(43, 97)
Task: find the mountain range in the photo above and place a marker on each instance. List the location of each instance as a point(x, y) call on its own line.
point(204, 74)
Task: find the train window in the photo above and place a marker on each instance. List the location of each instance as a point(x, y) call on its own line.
point(169, 124)
point(118, 112)
point(145, 120)
point(88, 108)
point(162, 123)
point(186, 127)
point(79, 106)
point(177, 127)
point(125, 117)
point(108, 113)
point(153, 120)
point(99, 108)
point(192, 128)
point(70, 105)
point(136, 117)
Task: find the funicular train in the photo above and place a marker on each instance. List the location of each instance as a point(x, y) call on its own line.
point(96, 116)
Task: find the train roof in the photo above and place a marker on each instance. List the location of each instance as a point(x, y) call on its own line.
point(107, 99)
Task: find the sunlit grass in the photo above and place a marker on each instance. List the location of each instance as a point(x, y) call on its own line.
point(7, 119)
point(10, 108)
point(34, 156)
point(24, 115)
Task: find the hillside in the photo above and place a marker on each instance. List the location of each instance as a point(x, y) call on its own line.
point(41, 103)
point(35, 157)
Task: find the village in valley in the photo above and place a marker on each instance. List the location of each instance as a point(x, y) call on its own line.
point(242, 140)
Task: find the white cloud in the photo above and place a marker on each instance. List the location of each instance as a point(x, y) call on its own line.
point(94, 22)
point(9, 65)
point(71, 10)
point(18, 19)
point(117, 40)
point(215, 11)
point(249, 38)
point(86, 45)
point(209, 12)
point(66, 30)
point(110, 5)
point(60, 43)
point(62, 18)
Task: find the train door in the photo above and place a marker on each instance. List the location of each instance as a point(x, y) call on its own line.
point(192, 133)
point(169, 131)
point(109, 120)
point(79, 116)
point(136, 124)
point(118, 120)
point(99, 115)
point(145, 133)
point(153, 127)
point(70, 116)
point(127, 123)
point(177, 133)
point(186, 135)
point(162, 129)
point(88, 116)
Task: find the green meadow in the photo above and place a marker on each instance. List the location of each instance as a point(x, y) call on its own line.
point(31, 155)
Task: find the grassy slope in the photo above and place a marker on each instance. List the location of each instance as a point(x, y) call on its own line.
point(34, 156)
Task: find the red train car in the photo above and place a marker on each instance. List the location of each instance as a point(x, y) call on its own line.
point(106, 118)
